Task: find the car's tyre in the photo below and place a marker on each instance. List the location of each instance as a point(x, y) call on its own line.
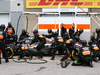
point(10, 50)
point(74, 55)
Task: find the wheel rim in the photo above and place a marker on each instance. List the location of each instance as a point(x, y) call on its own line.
point(10, 52)
point(74, 54)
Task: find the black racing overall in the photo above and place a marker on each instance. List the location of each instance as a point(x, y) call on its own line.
point(84, 57)
point(50, 35)
point(42, 40)
point(10, 30)
point(95, 50)
point(23, 36)
point(67, 47)
point(10, 35)
point(57, 45)
point(2, 45)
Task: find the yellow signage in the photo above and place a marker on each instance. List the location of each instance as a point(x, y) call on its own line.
point(63, 3)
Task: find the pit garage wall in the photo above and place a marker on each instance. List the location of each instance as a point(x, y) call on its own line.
point(53, 22)
point(32, 18)
point(93, 23)
point(4, 12)
point(10, 12)
point(16, 9)
point(32, 21)
point(4, 6)
point(14, 21)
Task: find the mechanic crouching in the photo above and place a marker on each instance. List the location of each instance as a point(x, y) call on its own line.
point(23, 35)
point(84, 56)
point(2, 43)
point(94, 48)
point(41, 39)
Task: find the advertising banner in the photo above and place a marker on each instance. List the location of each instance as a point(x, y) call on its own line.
point(63, 3)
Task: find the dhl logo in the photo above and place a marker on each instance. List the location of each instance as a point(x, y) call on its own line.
point(63, 3)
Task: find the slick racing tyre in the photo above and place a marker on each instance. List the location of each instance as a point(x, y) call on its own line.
point(74, 55)
point(10, 51)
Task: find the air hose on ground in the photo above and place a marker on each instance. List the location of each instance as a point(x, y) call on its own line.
point(42, 61)
point(18, 61)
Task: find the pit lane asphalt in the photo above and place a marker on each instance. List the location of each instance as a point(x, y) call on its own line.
point(50, 68)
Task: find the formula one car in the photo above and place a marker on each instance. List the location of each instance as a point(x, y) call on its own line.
point(26, 45)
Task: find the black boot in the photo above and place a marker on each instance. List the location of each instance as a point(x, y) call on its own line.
point(0, 61)
point(30, 57)
point(99, 58)
point(0, 58)
point(62, 60)
point(52, 58)
point(90, 64)
point(95, 60)
point(40, 56)
point(7, 61)
point(73, 64)
point(19, 57)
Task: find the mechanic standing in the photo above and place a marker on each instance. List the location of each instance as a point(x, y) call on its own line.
point(3, 27)
point(98, 32)
point(63, 30)
point(2, 44)
point(41, 39)
point(98, 37)
point(23, 35)
point(71, 31)
point(10, 29)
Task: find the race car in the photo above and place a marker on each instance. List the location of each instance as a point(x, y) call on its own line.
point(25, 45)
